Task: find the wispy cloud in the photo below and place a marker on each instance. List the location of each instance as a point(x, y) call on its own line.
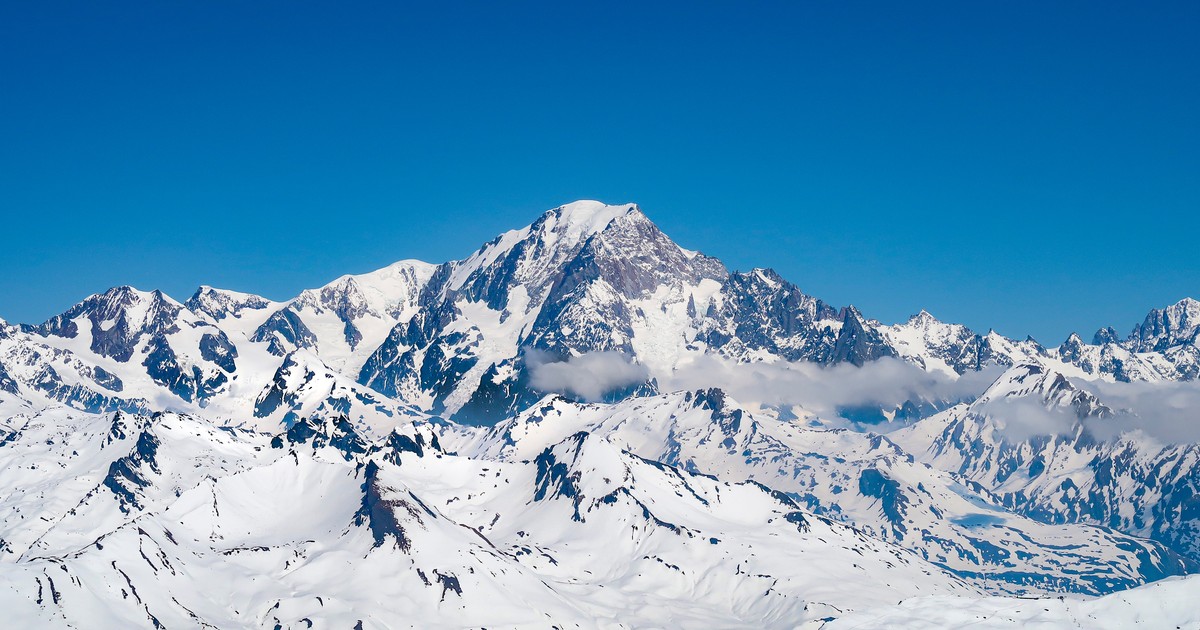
point(1021, 418)
point(1168, 412)
point(1164, 411)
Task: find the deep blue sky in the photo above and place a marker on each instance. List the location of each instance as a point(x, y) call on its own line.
point(1032, 167)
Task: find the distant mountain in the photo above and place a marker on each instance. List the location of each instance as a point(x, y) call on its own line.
point(454, 339)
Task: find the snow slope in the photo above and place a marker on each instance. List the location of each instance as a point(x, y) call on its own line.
point(1166, 604)
point(169, 520)
point(861, 479)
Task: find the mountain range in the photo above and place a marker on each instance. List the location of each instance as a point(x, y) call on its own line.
point(581, 424)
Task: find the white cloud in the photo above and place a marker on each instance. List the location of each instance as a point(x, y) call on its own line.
point(1021, 418)
point(588, 376)
point(1164, 411)
point(1169, 412)
point(886, 382)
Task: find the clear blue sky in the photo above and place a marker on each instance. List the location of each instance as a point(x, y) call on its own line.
point(1028, 166)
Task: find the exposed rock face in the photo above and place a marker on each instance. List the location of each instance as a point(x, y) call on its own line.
point(219, 304)
point(1163, 329)
point(285, 332)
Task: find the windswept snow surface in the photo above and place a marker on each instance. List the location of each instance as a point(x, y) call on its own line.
point(1169, 604)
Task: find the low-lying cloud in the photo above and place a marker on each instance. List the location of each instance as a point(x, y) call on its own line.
point(588, 376)
point(1022, 418)
point(824, 391)
point(1168, 412)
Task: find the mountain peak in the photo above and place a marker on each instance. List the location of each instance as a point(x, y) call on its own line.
point(1106, 335)
point(580, 219)
point(118, 300)
point(769, 276)
point(205, 290)
point(539, 248)
point(923, 318)
point(222, 303)
point(1052, 388)
point(1163, 328)
point(125, 292)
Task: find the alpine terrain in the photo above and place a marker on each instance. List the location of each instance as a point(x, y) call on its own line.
point(582, 424)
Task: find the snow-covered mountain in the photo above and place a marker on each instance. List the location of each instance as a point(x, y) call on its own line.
point(166, 520)
point(456, 339)
point(861, 479)
point(580, 424)
point(1050, 449)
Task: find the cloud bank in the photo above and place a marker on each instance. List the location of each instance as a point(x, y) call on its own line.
point(824, 391)
point(1166, 412)
point(1023, 418)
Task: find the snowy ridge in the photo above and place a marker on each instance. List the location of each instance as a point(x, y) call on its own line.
point(455, 339)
